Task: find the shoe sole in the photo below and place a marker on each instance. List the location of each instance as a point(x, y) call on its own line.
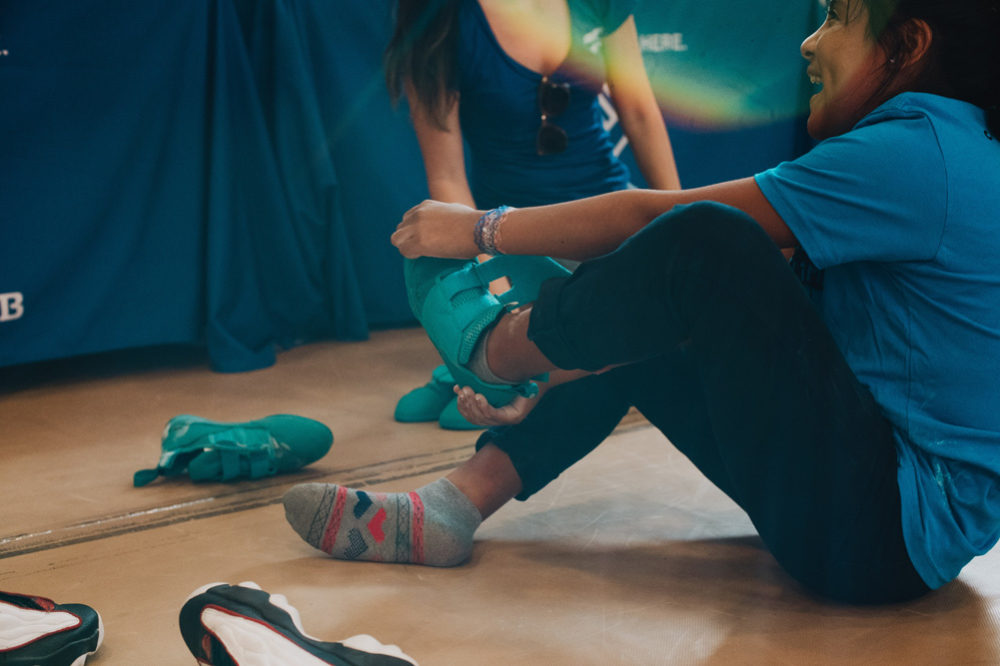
point(82, 659)
point(245, 626)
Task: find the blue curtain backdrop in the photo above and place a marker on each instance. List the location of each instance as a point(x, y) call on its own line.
point(228, 172)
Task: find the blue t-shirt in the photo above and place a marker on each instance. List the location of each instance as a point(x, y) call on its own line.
point(500, 115)
point(903, 215)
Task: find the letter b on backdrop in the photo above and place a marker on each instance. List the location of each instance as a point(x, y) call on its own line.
point(11, 306)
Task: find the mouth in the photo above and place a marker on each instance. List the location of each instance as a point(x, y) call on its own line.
point(816, 81)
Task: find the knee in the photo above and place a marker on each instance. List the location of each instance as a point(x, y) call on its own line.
point(711, 232)
point(710, 224)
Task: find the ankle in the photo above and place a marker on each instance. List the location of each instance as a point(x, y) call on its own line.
point(479, 362)
point(506, 347)
point(488, 479)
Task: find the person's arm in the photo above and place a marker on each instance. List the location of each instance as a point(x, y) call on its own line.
point(637, 108)
point(442, 151)
point(576, 229)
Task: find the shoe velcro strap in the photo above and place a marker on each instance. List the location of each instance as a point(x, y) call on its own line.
point(229, 461)
point(469, 277)
point(472, 308)
point(260, 464)
point(525, 274)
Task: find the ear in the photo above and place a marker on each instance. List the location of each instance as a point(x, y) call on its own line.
point(917, 38)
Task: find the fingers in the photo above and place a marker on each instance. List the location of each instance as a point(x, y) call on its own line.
point(474, 406)
point(406, 237)
point(476, 409)
point(436, 229)
point(402, 239)
point(410, 216)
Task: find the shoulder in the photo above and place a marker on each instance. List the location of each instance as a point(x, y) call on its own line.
point(896, 148)
point(902, 131)
point(912, 132)
point(606, 14)
point(878, 192)
point(923, 113)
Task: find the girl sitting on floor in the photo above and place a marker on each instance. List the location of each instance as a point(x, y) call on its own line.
point(859, 428)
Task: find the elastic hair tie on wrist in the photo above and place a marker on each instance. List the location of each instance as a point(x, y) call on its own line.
point(487, 231)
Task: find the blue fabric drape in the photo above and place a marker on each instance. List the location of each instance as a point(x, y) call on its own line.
point(102, 174)
point(372, 146)
point(168, 175)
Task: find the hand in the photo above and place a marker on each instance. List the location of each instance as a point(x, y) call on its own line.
point(474, 407)
point(436, 229)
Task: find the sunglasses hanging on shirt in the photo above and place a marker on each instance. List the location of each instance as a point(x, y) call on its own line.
point(553, 100)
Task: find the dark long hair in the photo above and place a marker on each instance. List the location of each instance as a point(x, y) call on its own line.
point(421, 54)
point(964, 58)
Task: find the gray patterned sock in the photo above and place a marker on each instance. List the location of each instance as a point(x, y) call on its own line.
point(432, 525)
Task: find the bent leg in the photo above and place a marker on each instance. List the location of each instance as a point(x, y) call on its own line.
point(790, 434)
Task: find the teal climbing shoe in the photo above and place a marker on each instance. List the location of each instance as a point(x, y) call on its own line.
point(215, 451)
point(452, 300)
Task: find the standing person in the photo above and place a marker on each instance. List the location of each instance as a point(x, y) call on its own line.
point(862, 436)
point(517, 81)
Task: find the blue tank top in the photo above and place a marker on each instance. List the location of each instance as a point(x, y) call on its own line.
point(500, 115)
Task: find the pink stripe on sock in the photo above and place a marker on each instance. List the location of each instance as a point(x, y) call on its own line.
point(417, 533)
point(333, 525)
point(375, 526)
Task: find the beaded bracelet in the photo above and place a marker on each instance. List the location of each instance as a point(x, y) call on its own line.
point(487, 231)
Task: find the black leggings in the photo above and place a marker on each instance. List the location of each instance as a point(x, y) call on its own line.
point(731, 361)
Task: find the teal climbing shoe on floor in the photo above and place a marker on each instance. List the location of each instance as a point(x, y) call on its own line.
point(452, 300)
point(216, 451)
point(425, 403)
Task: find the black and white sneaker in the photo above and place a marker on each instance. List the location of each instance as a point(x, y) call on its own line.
point(35, 631)
point(242, 625)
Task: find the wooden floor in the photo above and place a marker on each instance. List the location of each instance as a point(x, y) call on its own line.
point(631, 557)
